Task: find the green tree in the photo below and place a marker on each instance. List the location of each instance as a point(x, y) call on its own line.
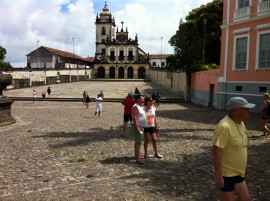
point(189, 38)
point(3, 53)
point(3, 65)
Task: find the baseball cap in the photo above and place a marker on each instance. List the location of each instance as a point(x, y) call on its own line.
point(237, 102)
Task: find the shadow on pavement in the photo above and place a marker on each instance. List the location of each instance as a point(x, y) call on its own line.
point(81, 138)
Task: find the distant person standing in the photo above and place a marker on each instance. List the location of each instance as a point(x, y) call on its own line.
point(128, 103)
point(158, 99)
point(99, 101)
point(49, 91)
point(101, 94)
point(43, 95)
point(136, 93)
point(154, 98)
point(84, 96)
point(87, 101)
point(34, 96)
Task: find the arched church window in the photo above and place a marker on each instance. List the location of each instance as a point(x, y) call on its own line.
point(103, 31)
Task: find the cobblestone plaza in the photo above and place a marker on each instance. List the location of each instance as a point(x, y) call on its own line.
point(60, 151)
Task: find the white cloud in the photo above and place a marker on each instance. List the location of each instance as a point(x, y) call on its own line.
point(23, 23)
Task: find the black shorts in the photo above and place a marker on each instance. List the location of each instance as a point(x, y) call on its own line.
point(127, 118)
point(229, 183)
point(150, 130)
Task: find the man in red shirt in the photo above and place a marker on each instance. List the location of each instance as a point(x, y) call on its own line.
point(128, 103)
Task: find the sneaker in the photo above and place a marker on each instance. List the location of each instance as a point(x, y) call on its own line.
point(158, 156)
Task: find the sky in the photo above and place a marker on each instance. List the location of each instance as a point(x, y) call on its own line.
point(64, 24)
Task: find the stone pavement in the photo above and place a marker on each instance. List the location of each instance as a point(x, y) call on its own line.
point(60, 151)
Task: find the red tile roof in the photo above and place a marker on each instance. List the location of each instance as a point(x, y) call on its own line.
point(159, 56)
point(63, 53)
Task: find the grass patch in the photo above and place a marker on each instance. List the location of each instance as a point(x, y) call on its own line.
point(81, 159)
point(3, 186)
point(78, 160)
point(185, 156)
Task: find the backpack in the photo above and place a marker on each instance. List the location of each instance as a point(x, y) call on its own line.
point(268, 108)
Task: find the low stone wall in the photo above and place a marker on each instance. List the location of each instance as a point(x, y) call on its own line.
point(23, 78)
point(173, 81)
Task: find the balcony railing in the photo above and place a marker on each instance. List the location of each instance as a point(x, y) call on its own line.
point(264, 7)
point(121, 58)
point(111, 58)
point(242, 12)
point(130, 58)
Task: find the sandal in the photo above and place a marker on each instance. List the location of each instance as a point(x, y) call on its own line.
point(159, 156)
point(140, 162)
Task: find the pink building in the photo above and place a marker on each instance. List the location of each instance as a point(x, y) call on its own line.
point(245, 56)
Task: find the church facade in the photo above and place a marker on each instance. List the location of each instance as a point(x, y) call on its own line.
point(117, 55)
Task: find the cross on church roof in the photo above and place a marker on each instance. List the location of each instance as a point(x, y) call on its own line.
point(122, 30)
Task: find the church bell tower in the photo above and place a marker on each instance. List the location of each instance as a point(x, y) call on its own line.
point(105, 30)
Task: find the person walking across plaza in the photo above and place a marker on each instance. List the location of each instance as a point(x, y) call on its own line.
point(265, 106)
point(49, 91)
point(138, 120)
point(150, 127)
point(87, 101)
point(34, 95)
point(128, 103)
point(84, 96)
point(99, 101)
point(230, 151)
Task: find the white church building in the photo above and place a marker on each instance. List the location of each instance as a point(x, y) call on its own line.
point(117, 55)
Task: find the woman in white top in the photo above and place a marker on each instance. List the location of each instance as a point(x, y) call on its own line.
point(150, 126)
point(98, 105)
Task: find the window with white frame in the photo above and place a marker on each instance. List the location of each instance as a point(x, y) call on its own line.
point(264, 51)
point(243, 3)
point(241, 53)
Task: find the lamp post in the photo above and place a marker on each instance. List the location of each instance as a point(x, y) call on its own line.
point(37, 52)
point(204, 25)
point(73, 45)
point(161, 51)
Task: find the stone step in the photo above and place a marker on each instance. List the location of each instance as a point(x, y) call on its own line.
point(92, 99)
point(119, 80)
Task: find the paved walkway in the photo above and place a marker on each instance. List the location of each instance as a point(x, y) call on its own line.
point(60, 151)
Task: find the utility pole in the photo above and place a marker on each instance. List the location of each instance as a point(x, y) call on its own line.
point(37, 52)
point(204, 25)
point(73, 46)
point(161, 51)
